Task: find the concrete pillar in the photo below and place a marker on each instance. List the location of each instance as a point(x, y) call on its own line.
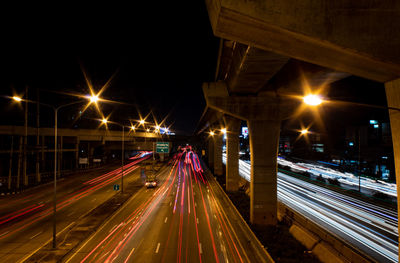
point(393, 100)
point(264, 141)
point(232, 153)
point(211, 151)
point(218, 170)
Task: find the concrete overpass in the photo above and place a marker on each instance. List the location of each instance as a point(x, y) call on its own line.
point(70, 142)
point(271, 50)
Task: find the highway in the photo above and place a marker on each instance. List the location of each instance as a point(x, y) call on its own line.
point(367, 227)
point(26, 219)
point(186, 218)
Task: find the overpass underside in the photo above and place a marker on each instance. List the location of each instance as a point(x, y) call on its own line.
point(272, 53)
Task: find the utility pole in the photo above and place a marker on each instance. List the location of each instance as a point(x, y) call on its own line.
point(26, 137)
point(11, 157)
point(38, 177)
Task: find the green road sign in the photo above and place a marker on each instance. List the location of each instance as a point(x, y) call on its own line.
point(162, 147)
point(116, 187)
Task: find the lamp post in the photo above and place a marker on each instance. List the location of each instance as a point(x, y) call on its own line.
point(315, 100)
point(56, 109)
point(105, 121)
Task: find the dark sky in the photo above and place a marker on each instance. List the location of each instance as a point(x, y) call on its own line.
point(160, 55)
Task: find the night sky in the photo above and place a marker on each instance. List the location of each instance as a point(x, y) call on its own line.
point(158, 55)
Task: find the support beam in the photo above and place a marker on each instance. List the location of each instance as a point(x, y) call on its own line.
point(263, 115)
point(393, 100)
point(264, 140)
point(341, 35)
point(232, 153)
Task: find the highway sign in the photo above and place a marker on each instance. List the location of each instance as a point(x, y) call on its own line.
point(162, 147)
point(116, 187)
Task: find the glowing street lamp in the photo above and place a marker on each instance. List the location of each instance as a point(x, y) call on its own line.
point(16, 98)
point(94, 98)
point(223, 130)
point(133, 128)
point(304, 132)
point(55, 109)
point(104, 120)
point(211, 133)
point(141, 122)
point(312, 100)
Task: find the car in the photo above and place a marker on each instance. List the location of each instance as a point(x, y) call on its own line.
point(151, 182)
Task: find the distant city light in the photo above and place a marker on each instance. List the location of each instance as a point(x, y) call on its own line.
point(245, 132)
point(373, 122)
point(376, 126)
point(351, 144)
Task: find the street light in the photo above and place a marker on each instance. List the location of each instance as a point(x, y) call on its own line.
point(211, 133)
point(315, 100)
point(304, 132)
point(105, 121)
point(223, 130)
point(56, 109)
point(312, 100)
point(16, 98)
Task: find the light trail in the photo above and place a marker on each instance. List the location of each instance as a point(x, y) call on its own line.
point(370, 228)
point(63, 201)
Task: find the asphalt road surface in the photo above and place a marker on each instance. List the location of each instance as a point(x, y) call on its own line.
point(26, 220)
point(186, 218)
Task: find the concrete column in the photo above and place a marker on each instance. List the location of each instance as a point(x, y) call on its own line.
point(218, 171)
point(264, 141)
point(232, 153)
point(393, 100)
point(211, 151)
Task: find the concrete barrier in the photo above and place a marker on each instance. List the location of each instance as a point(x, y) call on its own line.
point(325, 246)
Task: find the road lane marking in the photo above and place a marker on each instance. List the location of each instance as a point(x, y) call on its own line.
point(158, 247)
point(36, 235)
point(93, 199)
point(170, 203)
point(130, 254)
point(197, 219)
point(70, 214)
point(48, 241)
point(201, 250)
point(165, 221)
point(4, 233)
